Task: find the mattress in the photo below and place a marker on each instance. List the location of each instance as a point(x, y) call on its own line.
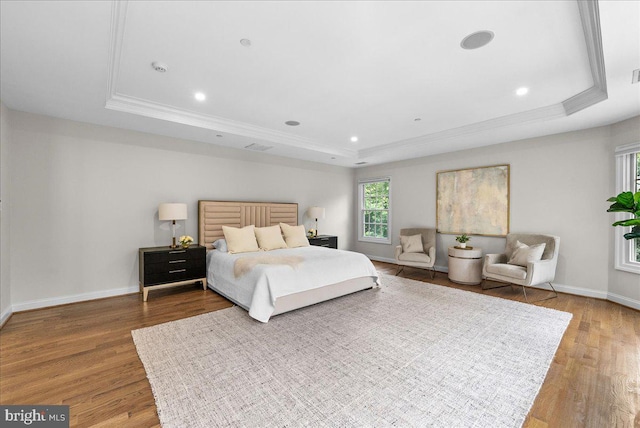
point(257, 281)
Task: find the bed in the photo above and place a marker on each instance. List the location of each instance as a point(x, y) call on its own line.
point(268, 283)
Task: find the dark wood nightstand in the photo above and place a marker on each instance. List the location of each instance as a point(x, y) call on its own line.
point(162, 267)
point(329, 241)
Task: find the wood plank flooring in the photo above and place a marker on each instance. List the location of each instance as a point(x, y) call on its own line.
point(82, 355)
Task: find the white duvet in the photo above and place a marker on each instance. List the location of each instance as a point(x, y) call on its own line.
point(258, 289)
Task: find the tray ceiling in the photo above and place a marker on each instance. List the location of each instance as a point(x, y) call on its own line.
point(392, 74)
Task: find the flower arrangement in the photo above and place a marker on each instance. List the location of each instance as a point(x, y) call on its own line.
point(311, 233)
point(186, 240)
point(463, 239)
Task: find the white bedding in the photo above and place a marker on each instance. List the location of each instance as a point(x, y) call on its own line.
point(258, 289)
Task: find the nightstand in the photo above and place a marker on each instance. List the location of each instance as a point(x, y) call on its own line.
point(328, 241)
point(162, 267)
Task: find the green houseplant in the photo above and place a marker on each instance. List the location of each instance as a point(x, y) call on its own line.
point(627, 202)
point(463, 239)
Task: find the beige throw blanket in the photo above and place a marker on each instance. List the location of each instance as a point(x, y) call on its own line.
point(244, 265)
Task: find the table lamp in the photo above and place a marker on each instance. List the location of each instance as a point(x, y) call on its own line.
point(172, 212)
point(316, 212)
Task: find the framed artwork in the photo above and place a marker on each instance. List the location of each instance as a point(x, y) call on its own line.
point(473, 201)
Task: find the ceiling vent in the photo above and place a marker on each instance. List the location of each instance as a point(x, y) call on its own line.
point(636, 76)
point(258, 147)
point(360, 163)
point(160, 67)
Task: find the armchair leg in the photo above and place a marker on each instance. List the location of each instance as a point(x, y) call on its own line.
point(491, 288)
point(400, 269)
point(541, 300)
point(433, 273)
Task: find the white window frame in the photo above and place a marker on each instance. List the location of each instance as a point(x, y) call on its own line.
point(361, 236)
point(625, 181)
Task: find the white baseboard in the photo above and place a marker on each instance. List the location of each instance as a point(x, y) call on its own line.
point(4, 316)
point(55, 301)
point(578, 291)
point(381, 259)
point(624, 301)
point(563, 288)
point(393, 261)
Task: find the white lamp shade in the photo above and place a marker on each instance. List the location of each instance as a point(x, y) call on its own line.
point(316, 212)
point(172, 212)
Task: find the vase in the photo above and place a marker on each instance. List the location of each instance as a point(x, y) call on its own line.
point(463, 245)
point(185, 245)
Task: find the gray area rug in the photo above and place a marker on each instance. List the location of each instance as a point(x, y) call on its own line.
point(410, 354)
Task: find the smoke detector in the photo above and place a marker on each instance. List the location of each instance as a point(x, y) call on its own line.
point(160, 67)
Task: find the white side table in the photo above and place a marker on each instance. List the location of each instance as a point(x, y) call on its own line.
point(465, 265)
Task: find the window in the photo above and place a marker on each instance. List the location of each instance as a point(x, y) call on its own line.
point(627, 252)
point(375, 215)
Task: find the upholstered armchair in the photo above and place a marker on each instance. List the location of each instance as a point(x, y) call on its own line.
point(417, 249)
point(528, 260)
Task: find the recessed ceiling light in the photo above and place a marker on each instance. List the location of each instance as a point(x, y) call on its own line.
point(477, 40)
point(219, 135)
point(292, 123)
point(245, 42)
point(200, 96)
point(522, 91)
point(354, 139)
point(417, 119)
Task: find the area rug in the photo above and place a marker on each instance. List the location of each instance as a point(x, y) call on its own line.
point(409, 354)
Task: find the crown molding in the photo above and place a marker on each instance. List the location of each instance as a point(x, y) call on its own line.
point(153, 110)
point(590, 18)
point(553, 111)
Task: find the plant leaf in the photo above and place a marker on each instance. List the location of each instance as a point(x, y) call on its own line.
point(626, 199)
point(632, 235)
point(628, 222)
point(612, 199)
point(618, 207)
point(636, 197)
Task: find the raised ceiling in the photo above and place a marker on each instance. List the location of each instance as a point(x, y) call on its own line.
point(392, 74)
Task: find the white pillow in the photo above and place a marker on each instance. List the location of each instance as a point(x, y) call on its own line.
point(220, 245)
point(270, 238)
point(240, 240)
point(411, 244)
point(524, 254)
point(295, 236)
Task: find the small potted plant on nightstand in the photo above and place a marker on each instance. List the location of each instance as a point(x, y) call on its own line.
point(463, 239)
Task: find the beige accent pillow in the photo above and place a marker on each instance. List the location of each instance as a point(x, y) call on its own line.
point(240, 240)
point(524, 254)
point(411, 244)
point(295, 236)
point(270, 238)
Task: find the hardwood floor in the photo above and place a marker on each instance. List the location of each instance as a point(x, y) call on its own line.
point(82, 355)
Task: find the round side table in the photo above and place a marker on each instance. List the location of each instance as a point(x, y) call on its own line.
point(465, 265)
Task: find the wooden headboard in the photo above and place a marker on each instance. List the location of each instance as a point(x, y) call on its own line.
point(212, 215)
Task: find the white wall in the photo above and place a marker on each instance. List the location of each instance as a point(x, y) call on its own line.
point(624, 287)
point(559, 185)
point(5, 286)
point(85, 198)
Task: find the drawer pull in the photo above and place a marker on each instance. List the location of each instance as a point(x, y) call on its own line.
point(177, 271)
point(177, 252)
point(177, 261)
